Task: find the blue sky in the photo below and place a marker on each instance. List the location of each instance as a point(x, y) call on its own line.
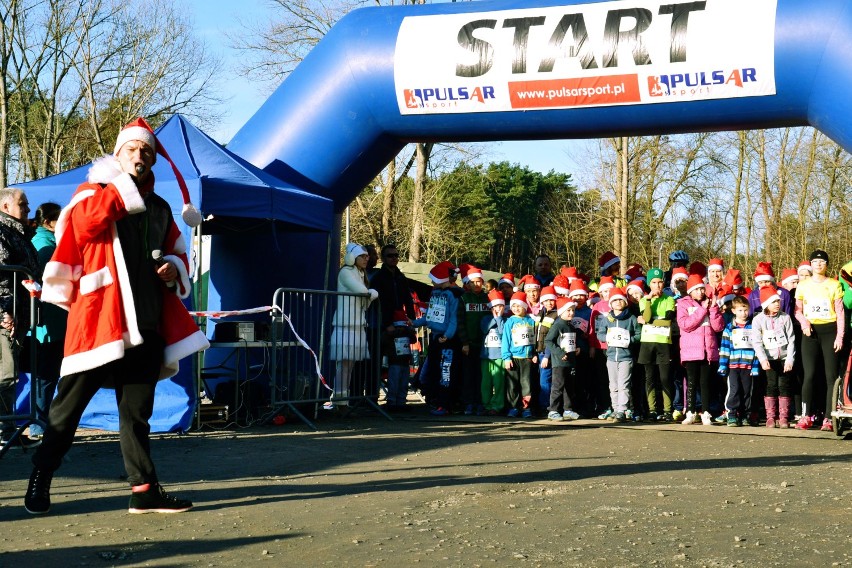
point(214, 18)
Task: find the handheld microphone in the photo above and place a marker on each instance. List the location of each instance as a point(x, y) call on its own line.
point(157, 255)
point(140, 169)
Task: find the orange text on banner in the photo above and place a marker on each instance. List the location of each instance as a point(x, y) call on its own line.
point(588, 91)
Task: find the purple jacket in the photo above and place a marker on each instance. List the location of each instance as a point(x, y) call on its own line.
point(698, 330)
point(788, 304)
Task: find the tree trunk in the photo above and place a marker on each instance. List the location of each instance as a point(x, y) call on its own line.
point(423, 152)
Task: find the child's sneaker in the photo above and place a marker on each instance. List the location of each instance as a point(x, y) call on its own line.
point(706, 418)
point(677, 415)
point(570, 415)
point(722, 418)
point(606, 415)
point(826, 425)
point(805, 423)
point(513, 413)
point(553, 415)
point(440, 411)
point(527, 413)
point(732, 420)
point(628, 415)
point(691, 418)
point(653, 416)
point(665, 417)
point(619, 417)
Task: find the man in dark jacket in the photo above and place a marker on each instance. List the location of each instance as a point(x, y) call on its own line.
point(392, 287)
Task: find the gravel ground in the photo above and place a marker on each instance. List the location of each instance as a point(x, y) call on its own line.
point(453, 491)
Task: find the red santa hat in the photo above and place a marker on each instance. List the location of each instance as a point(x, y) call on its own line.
point(141, 131)
point(788, 276)
point(547, 293)
point(716, 264)
point(635, 272)
point(679, 273)
point(605, 283)
point(768, 294)
point(400, 318)
point(724, 294)
point(617, 294)
point(636, 285)
point(805, 265)
point(570, 272)
point(733, 278)
point(578, 288)
point(607, 260)
point(694, 281)
point(519, 298)
point(764, 272)
point(561, 285)
point(507, 278)
point(698, 268)
point(442, 272)
point(563, 304)
point(495, 298)
point(528, 282)
point(469, 272)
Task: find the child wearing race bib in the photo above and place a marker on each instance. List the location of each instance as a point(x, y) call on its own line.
point(584, 384)
point(737, 362)
point(493, 374)
point(561, 344)
point(518, 352)
point(657, 313)
point(547, 315)
point(774, 346)
point(699, 320)
point(619, 329)
point(398, 347)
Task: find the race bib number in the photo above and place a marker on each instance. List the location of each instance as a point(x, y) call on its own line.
point(568, 342)
point(476, 308)
point(740, 338)
point(617, 337)
point(580, 324)
point(818, 310)
point(774, 338)
point(402, 346)
point(654, 333)
point(522, 335)
point(437, 311)
point(492, 339)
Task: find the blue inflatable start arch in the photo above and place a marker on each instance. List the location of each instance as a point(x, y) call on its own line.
point(476, 71)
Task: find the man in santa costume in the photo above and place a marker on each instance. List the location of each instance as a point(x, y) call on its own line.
point(120, 269)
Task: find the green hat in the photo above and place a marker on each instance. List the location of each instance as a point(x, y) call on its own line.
point(654, 273)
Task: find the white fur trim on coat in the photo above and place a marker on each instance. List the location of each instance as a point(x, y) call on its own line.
point(95, 281)
point(129, 193)
point(101, 355)
point(183, 348)
point(184, 289)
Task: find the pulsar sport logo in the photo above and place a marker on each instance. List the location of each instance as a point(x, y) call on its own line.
point(678, 84)
point(444, 97)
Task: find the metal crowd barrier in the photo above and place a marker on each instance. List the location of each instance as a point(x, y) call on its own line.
point(8, 414)
point(318, 318)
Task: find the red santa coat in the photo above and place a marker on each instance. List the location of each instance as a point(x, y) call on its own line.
point(87, 276)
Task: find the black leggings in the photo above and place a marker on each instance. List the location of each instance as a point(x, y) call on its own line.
point(697, 373)
point(820, 343)
point(779, 383)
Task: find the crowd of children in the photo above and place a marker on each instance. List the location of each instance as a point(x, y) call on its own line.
point(691, 345)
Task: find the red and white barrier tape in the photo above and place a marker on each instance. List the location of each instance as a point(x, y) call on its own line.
point(304, 344)
point(227, 314)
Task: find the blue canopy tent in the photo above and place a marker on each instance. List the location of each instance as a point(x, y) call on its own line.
point(250, 217)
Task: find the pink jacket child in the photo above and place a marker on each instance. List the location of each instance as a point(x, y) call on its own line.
point(699, 320)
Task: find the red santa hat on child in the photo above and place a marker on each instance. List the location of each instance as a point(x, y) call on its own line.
point(607, 260)
point(788, 276)
point(519, 298)
point(617, 294)
point(764, 272)
point(698, 268)
point(495, 298)
point(528, 282)
point(636, 285)
point(442, 272)
point(547, 293)
point(635, 272)
point(768, 294)
point(507, 278)
point(561, 285)
point(605, 283)
point(694, 281)
point(469, 272)
point(563, 304)
point(141, 131)
point(400, 317)
point(578, 288)
point(733, 278)
point(679, 273)
point(805, 266)
point(716, 264)
point(724, 294)
point(570, 272)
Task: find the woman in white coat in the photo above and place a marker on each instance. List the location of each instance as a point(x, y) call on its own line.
point(349, 338)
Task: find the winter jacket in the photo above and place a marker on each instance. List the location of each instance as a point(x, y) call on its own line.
point(737, 353)
point(53, 320)
point(475, 308)
point(554, 343)
point(442, 316)
point(626, 321)
point(351, 310)
point(788, 303)
point(581, 322)
point(16, 249)
point(595, 338)
point(394, 294)
point(773, 337)
point(492, 334)
point(518, 338)
point(698, 329)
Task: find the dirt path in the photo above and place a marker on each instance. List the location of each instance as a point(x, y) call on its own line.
point(450, 492)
